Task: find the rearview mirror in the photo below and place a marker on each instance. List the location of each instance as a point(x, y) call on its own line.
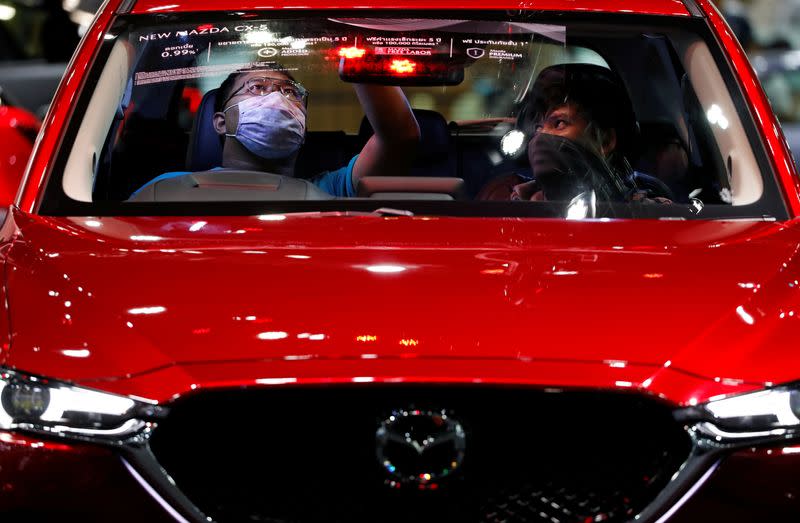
point(398, 65)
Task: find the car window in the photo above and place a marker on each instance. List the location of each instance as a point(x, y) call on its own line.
point(663, 135)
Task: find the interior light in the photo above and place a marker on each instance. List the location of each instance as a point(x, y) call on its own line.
point(352, 52)
point(403, 66)
point(259, 37)
point(717, 117)
point(512, 141)
point(7, 12)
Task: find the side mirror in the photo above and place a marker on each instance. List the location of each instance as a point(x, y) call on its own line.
point(18, 130)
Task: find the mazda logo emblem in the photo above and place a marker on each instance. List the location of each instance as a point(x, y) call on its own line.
point(420, 447)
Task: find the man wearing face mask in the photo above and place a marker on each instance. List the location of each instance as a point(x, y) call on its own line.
point(261, 115)
point(582, 127)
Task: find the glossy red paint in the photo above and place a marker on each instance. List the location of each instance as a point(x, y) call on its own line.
point(656, 7)
point(34, 484)
point(725, 497)
point(17, 130)
point(764, 116)
point(546, 302)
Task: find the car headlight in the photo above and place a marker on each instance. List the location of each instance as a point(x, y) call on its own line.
point(36, 404)
point(763, 414)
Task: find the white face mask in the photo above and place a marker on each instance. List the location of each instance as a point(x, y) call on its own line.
point(270, 126)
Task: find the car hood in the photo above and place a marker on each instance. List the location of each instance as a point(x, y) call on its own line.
point(617, 303)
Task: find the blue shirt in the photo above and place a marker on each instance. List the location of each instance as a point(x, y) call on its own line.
point(337, 183)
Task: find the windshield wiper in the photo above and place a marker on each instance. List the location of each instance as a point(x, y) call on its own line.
point(388, 211)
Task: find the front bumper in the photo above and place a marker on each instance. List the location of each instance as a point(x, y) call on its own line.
point(48, 480)
point(45, 480)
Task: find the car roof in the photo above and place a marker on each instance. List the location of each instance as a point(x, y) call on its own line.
point(652, 7)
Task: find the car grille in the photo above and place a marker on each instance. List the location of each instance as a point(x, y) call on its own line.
point(300, 455)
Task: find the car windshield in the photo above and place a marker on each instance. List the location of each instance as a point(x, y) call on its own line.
point(486, 114)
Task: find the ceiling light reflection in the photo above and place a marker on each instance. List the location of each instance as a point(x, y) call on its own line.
point(76, 353)
point(147, 310)
point(386, 269)
point(272, 335)
point(745, 316)
point(275, 381)
point(145, 238)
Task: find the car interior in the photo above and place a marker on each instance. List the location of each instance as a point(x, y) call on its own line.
point(689, 133)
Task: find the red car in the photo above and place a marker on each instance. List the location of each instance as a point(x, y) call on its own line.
point(552, 276)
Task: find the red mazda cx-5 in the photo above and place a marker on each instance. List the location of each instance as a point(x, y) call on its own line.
point(402, 261)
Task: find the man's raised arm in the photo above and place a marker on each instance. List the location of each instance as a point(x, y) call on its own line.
point(393, 146)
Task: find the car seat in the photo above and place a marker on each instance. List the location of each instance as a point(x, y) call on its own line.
point(436, 155)
point(205, 145)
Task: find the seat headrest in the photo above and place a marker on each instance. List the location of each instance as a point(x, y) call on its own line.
point(434, 134)
point(205, 145)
